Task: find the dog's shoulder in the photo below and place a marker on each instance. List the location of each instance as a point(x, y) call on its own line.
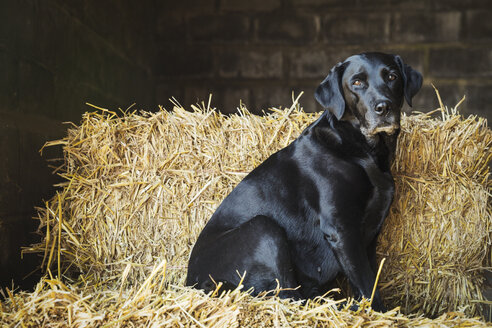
point(329, 138)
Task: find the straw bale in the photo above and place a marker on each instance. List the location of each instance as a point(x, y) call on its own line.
point(140, 187)
point(438, 233)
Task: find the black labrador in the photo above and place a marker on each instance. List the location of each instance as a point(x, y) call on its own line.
point(314, 209)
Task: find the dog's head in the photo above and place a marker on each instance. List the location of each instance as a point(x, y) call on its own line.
point(369, 89)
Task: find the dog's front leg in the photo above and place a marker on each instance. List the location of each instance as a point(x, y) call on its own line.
point(347, 245)
point(371, 255)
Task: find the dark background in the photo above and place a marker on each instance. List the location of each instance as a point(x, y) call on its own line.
point(56, 55)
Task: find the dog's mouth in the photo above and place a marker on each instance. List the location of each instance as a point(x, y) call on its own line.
point(388, 129)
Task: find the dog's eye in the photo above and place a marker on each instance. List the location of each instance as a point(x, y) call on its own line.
point(357, 82)
point(392, 77)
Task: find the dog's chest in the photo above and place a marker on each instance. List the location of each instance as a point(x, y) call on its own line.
point(378, 204)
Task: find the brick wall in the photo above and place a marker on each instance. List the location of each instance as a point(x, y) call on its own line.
point(260, 51)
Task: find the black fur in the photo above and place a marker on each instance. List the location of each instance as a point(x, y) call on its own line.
point(314, 209)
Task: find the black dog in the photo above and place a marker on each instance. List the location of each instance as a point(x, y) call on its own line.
point(315, 208)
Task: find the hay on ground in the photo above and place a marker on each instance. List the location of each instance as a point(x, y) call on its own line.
point(149, 304)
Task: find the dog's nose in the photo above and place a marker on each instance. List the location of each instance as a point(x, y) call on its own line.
point(382, 107)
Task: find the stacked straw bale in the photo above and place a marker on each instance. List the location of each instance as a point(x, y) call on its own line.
point(438, 234)
point(140, 187)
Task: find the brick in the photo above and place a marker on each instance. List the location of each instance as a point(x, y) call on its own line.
point(316, 63)
point(185, 61)
point(249, 6)
point(231, 28)
point(461, 4)
point(228, 63)
point(184, 6)
point(361, 5)
point(271, 96)
point(299, 29)
point(317, 3)
point(309, 64)
point(307, 100)
point(479, 25)
point(251, 64)
point(197, 94)
point(426, 99)
point(261, 65)
point(426, 27)
point(415, 57)
point(356, 28)
point(460, 62)
point(171, 28)
point(166, 91)
point(478, 100)
point(403, 5)
point(232, 97)
point(448, 26)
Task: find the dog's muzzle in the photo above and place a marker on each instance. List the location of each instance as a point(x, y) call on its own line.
point(388, 129)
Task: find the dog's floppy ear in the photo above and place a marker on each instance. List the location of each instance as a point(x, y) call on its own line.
point(329, 92)
point(412, 80)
